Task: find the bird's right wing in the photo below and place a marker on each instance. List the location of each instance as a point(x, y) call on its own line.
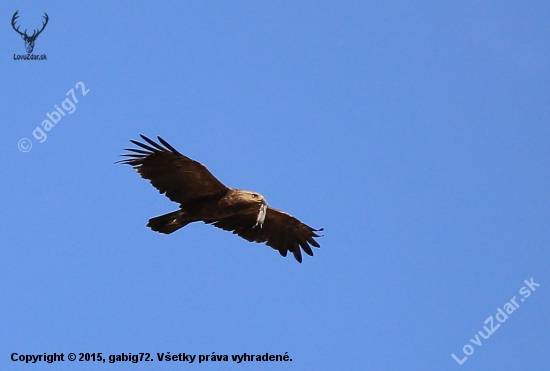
point(179, 177)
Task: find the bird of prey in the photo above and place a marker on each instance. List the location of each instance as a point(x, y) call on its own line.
point(204, 198)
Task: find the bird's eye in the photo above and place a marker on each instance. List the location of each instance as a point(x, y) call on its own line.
point(254, 195)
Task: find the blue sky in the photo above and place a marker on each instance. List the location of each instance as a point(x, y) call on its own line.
point(415, 133)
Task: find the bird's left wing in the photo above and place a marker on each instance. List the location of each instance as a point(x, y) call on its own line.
point(280, 230)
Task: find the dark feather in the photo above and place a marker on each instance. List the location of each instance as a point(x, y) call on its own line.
point(280, 231)
point(179, 177)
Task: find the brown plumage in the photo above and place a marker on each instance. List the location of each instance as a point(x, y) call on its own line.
point(204, 198)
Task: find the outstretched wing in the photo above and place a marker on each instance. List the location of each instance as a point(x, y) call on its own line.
point(179, 177)
point(280, 230)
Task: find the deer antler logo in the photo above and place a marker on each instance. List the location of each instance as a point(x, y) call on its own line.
point(29, 40)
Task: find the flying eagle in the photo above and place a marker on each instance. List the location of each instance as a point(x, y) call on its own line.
point(204, 198)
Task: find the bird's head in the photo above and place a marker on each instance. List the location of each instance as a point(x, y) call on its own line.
point(260, 200)
point(254, 197)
